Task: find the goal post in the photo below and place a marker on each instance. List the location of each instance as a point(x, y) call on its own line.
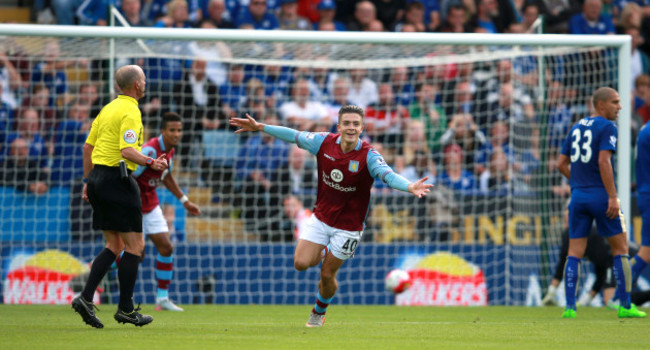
point(485, 245)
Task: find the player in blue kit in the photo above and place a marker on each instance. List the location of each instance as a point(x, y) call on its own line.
point(638, 262)
point(586, 160)
point(347, 167)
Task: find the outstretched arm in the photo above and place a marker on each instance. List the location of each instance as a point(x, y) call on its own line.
point(378, 168)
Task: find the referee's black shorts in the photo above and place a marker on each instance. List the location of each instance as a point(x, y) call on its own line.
point(116, 202)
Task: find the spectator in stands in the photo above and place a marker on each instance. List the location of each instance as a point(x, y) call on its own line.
point(216, 51)
point(257, 15)
point(509, 105)
point(301, 112)
point(414, 143)
point(289, 18)
point(131, 11)
point(499, 135)
point(318, 76)
point(530, 160)
point(257, 165)
point(89, 96)
point(560, 115)
point(420, 165)
point(300, 177)
point(65, 11)
point(296, 213)
point(51, 71)
point(95, 12)
point(28, 129)
point(432, 115)
point(6, 121)
point(488, 17)
point(364, 13)
point(197, 100)
point(631, 16)
point(21, 171)
point(375, 26)
point(39, 101)
point(256, 103)
point(455, 21)
point(431, 13)
point(363, 90)
point(218, 14)
point(557, 14)
point(591, 20)
point(640, 63)
point(340, 92)
point(496, 177)
point(414, 15)
point(463, 99)
point(277, 83)
point(404, 89)
point(10, 81)
point(233, 92)
point(454, 175)
point(642, 97)
point(530, 13)
point(327, 12)
point(389, 12)
point(465, 133)
point(69, 138)
point(385, 120)
point(177, 16)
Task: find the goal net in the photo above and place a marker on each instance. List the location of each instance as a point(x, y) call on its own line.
point(482, 116)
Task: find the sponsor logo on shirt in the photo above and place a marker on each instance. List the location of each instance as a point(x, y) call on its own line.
point(337, 175)
point(130, 137)
point(336, 186)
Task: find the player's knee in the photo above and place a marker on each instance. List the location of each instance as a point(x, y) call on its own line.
point(166, 249)
point(327, 277)
point(301, 264)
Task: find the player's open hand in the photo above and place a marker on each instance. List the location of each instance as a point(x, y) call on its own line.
point(246, 124)
point(192, 208)
point(419, 188)
point(613, 208)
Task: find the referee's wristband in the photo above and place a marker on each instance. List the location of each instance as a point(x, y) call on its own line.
point(184, 199)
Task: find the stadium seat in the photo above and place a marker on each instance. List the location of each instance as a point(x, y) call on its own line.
point(14, 14)
point(220, 147)
point(201, 229)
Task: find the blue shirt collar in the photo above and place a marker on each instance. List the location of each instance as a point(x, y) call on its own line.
point(161, 143)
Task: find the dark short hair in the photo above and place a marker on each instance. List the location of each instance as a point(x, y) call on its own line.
point(170, 117)
point(351, 109)
point(602, 95)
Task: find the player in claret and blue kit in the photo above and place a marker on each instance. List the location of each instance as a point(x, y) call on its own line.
point(586, 160)
point(347, 167)
point(154, 224)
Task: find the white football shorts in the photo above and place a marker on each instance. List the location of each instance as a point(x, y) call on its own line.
point(154, 222)
point(341, 243)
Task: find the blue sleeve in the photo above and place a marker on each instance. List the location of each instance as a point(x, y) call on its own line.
point(311, 141)
point(608, 138)
point(574, 24)
point(91, 11)
point(379, 169)
point(149, 152)
point(284, 134)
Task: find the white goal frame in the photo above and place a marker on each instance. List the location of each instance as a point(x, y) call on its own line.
point(623, 43)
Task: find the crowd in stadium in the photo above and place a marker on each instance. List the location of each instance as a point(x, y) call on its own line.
point(473, 128)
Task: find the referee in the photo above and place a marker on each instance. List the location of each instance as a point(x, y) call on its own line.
point(115, 137)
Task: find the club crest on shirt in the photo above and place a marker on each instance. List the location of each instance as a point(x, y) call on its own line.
point(130, 136)
point(353, 166)
point(336, 175)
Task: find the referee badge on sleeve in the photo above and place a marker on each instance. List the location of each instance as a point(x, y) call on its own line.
point(130, 137)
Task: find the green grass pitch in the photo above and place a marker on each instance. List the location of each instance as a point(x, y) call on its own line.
point(347, 327)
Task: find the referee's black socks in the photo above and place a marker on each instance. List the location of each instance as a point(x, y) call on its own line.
point(100, 266)
point(127, 274)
